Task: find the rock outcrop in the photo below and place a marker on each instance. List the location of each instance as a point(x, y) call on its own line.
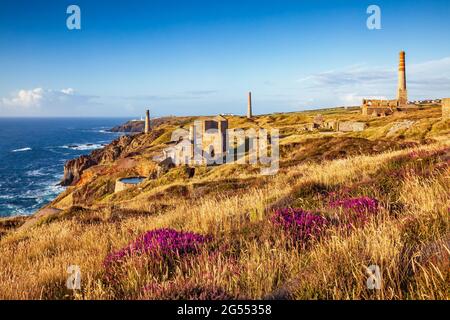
point(124, 147)
point(399, 126)
point(130, 126)
point(164, 166)
point(74, 168)
point(137, 126)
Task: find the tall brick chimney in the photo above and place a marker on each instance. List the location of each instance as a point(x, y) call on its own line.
point(249, 107)
point(402, 94)
point(147, 121)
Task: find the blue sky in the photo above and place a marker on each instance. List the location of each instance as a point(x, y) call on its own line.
point(201, 57)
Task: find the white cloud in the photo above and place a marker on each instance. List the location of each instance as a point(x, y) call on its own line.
point(24, 98)
point(350, 85)
point(36, 97)
point(353, 99)
point(40, 101)
point(68, 91)
point(351, 75)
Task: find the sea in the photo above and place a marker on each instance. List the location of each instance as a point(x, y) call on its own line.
point(33, 152)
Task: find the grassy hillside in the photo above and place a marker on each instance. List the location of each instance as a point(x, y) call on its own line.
point(339, 203)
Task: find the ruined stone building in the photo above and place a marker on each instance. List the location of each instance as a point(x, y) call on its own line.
point(378, 108)
point(375, 107)
point(446, 109)
point(334, 125)
point(350, 126)
point(205, 140)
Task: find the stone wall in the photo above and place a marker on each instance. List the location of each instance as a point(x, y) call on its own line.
point(342, 126)
point(377, 108)
point(120, 185)
point(446, 108)
point(351, 126)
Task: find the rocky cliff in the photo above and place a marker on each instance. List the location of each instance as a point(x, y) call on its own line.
point(123, 147)
point(130, 126)
point(75, 167)
point(134, 126)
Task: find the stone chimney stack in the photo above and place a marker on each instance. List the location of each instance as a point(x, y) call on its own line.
point(147, 121)
point(402, 95)
point(193, 141)
point(249, 107)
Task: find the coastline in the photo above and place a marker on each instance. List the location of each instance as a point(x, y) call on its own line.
point(34, 152)
point(235, 203)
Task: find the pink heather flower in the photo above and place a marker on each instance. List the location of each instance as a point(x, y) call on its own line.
point(428, 154)
point(164, 242)
point(356, 205)
point(303, 225)
point(355, 211)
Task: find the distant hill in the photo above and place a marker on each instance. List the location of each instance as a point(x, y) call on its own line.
point(136, 126)
point(129, 126)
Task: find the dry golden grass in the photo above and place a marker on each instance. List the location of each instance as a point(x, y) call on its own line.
point(254, 260)
point(248, 257)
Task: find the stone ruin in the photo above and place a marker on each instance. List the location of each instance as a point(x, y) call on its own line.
point(445, 108)
point(334, 125)
point(206, 139)
point(380, 108)
point(350, 126)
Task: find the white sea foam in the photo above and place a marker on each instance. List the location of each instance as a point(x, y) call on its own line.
point(49, 190)
point(35, 173)
point(82, 147)
point(22, 150)
point(6, 196)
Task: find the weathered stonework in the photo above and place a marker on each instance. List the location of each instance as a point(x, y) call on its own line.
point(249, 106)
point(147, 121)
point(205, 139)
point(351, 126)
point(402, 94)
point(380, 108)
point(122, 185)
point(331, 125)
point(445, 108)
point(335, 125)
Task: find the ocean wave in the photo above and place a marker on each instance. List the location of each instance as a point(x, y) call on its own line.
point(22, 150)
point(100, 130)
point(85, 146)
point(35, 173)
point(110, 132)
point(7, 196)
